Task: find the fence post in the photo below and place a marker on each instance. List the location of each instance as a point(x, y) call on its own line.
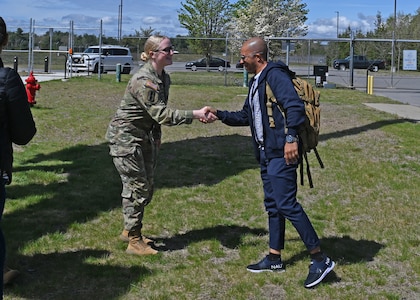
point(245, 84)
point(118, 73)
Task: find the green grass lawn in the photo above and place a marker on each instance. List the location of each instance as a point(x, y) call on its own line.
point(63, 215)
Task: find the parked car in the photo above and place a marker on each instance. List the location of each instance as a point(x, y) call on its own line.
point(90, 59)
point(359, 62)
point(239, 65)
point(214, 63)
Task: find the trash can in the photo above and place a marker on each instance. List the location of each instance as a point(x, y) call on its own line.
point(320, 73)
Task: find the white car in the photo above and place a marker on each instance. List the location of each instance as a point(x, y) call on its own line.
point(90, 60)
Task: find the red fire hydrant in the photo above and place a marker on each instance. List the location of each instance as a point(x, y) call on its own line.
point(32, 86)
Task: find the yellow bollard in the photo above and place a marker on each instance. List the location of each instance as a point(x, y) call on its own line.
point(370, 84)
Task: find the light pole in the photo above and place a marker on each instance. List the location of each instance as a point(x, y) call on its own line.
point(338, 20)
point(393, 43)
point(120, 20)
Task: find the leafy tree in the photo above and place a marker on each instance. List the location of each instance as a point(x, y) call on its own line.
point(18, 39)
point(414, 29)
point(379, 49)
point(403, 27)
point(205, 20)
point(146, 32)
point(238, 6)
point(406, 27)
point(180, 43)
point(270, 18)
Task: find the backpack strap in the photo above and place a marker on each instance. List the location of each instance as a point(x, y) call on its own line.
point(308, 170)
point(271, 101)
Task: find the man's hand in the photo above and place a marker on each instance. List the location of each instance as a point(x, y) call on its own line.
point(291, 153)
point(206, 115)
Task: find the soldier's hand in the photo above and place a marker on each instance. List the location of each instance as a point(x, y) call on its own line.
point(205, 115)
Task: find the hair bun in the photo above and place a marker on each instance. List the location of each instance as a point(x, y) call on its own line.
point(144, 56)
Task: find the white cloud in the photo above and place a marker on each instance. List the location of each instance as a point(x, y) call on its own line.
point(328, 27)
point(150, 20)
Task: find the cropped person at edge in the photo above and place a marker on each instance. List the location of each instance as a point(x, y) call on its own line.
point(16, 126)
point(278, 155)
point(134, 136)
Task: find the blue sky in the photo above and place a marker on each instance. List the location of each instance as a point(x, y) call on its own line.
point(162, 15)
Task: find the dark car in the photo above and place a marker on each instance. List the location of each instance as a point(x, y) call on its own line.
point(239, 65)
point(214, 63)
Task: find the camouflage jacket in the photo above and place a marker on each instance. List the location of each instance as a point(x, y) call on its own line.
point(143, 109)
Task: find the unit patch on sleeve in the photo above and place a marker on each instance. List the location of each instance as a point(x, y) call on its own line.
point(151, 85)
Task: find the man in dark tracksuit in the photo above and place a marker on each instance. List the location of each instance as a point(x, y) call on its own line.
point(278, 155)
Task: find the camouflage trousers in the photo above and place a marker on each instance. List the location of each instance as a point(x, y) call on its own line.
point(136, 172)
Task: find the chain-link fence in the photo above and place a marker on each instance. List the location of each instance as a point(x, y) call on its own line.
point(45, 49)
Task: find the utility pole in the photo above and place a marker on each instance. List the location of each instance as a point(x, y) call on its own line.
point(393, 44)
point(338, 21)
point(120, 7)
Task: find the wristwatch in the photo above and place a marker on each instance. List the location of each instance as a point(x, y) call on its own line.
point(291, 138)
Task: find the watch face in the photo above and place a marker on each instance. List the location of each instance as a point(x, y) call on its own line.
point(291, 139)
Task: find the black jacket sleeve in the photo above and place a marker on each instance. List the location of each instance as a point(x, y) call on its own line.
point(21, 124)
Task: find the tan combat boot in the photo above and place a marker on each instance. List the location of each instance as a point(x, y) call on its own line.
point(124, 238)
point(9, 275)
point(137, 246)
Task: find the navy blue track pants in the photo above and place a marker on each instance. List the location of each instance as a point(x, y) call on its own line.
point(280, 188)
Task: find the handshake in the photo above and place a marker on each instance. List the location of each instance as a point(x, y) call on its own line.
point(206, 115)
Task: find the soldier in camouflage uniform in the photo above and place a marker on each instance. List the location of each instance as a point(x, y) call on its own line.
point(134, 136)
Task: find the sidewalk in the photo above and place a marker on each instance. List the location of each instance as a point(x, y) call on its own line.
point(405, 111)
point(52, 76)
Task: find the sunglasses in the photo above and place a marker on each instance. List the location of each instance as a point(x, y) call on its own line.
point(245, 56)
point(166, 50)
point(251, 55)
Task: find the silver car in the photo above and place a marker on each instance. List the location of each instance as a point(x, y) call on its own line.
point(90, 60)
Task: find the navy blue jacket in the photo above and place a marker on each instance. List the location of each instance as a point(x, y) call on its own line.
point(282, 86)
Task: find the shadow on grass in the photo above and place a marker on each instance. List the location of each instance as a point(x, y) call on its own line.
point(88, 185)
point(85, 182)
point(357, 130)
point(344, 251)
point(229, 236)
point(72, 275)
point(78, 184)
point(203, 160)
